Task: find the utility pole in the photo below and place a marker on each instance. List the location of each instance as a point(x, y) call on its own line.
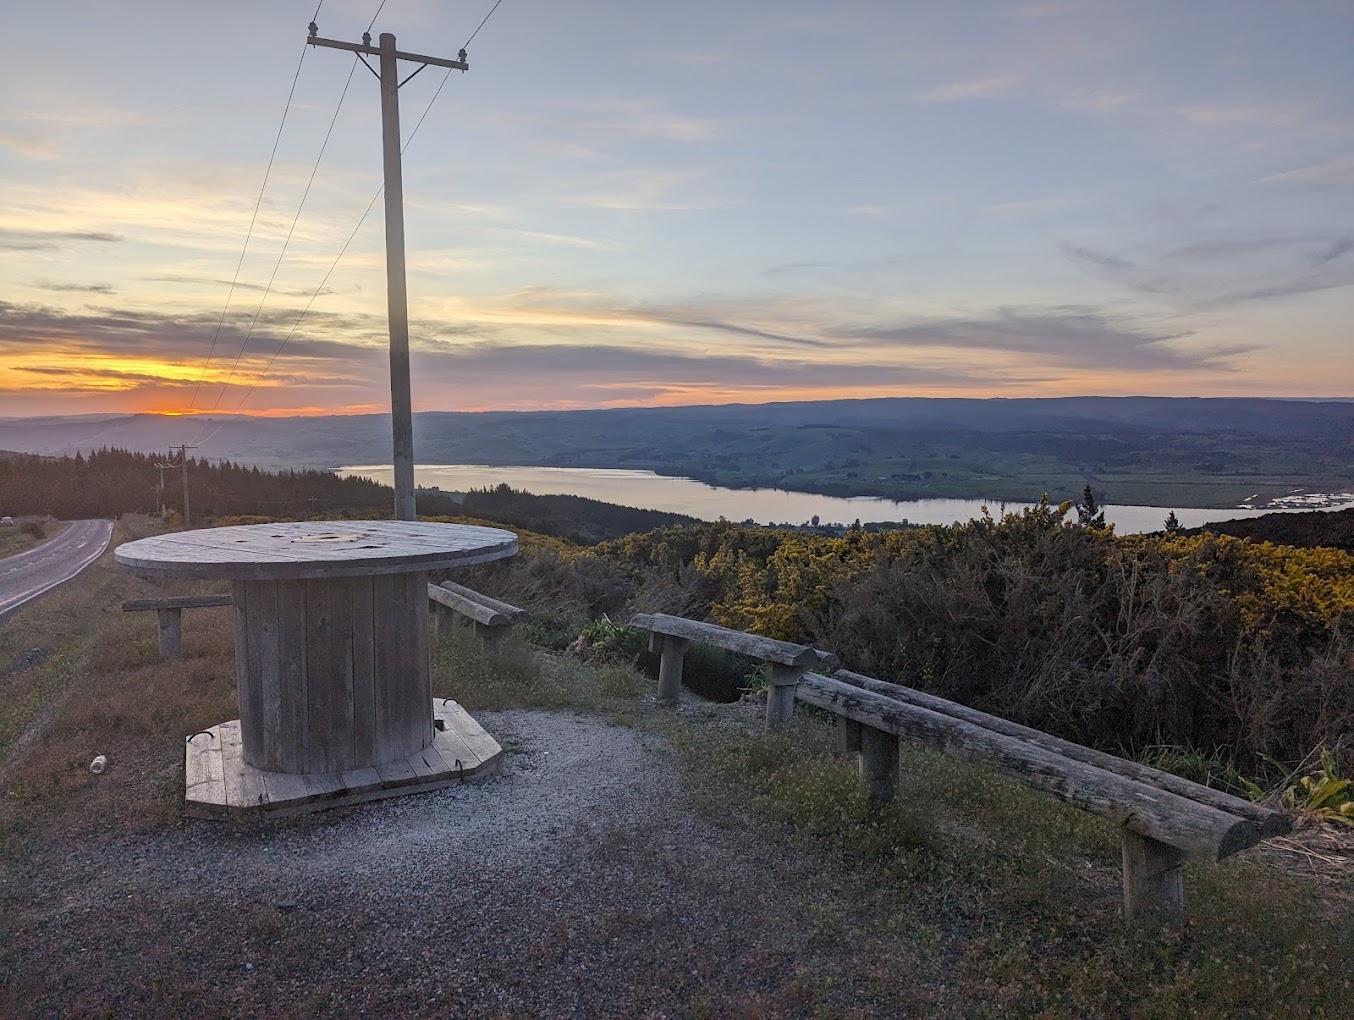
point(183, 459)
point(160, 489)
point(397, 301)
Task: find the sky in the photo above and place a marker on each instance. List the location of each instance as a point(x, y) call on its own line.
point(677, 203)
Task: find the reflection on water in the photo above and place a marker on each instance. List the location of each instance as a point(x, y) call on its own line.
point(649, 491)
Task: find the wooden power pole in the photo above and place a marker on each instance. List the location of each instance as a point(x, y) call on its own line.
point(397, 303)
point(183, 459)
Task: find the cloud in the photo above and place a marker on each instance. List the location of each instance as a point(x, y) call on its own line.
point(47, 240)
point(659, 371)
point(74, 288)
point(238, 285)
point(28, 144)
point(1333, 173)
point(1072, 335)
point(1218, 272)
point(1096, 258)
point(973, 88)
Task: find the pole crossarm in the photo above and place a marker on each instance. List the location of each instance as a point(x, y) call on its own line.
point(375, 51)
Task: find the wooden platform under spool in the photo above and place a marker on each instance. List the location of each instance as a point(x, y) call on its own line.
point(220, 782)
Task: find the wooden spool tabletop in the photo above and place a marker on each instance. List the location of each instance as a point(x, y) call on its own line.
point(314, 549)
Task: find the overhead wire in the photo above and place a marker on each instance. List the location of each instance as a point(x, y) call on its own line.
point(290, 231)
point(361, 220)
point(258, 203)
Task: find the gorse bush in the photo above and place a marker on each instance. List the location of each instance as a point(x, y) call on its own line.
point(1224, 648)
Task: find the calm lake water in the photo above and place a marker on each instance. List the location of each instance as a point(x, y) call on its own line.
point(649, 491)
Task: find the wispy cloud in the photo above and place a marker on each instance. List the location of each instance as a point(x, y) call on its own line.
point(50, 240)
point(1333, 173)
point(30, 144)
point(73, 288)
point(970, 89)
point(1218, 272)
point(1073, 335)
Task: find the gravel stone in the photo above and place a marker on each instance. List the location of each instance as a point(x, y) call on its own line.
point(579, 882)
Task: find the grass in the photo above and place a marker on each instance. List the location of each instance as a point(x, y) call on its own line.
point(14, 539)
point(1023, 894)
point(1012, 897)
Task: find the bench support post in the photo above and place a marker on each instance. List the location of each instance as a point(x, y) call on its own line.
point(781, 682)
point(670, 667)
point(171, 633)
point(878, 764)
point(848, 735)
point(491, 637)
point(1154, 885)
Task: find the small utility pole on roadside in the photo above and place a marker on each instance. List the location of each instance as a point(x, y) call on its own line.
point(160, 489)
point(183, 459)
point(397, 301)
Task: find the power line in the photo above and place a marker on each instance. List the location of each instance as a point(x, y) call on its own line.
point(361, 220)
point(334, 265)
point(254, 217)
point(291, 230)
point(481, 24)
point(252, 220)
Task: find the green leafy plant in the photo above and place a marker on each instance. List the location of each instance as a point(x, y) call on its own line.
point(614, 642)
point(1323, 793)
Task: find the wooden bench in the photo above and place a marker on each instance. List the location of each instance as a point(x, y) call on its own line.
point(1163, 818)
point(493, 620)
point(785, 662)
point(170, 613)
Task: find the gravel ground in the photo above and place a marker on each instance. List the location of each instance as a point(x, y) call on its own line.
point(577, 883)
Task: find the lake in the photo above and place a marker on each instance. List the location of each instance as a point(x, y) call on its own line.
point(646, 490)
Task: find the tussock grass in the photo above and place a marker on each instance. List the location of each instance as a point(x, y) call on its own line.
point(522, 676)
point(1022, 894)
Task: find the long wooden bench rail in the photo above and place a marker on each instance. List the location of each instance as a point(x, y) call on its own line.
point(169, 611)
point(492, 619)
point(1160, 828)
point(511, 612)
point(188, 602)
point(785, 661)
point(1270, 821)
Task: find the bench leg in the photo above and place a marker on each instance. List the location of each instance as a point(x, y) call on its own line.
point(781, 682)
point(491, 638)
point(1154, 885)
point(848, 735)
point(171, 633)
point(670, 668)
point(878, 764)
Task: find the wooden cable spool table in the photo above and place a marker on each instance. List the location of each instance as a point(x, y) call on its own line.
point(331, 654)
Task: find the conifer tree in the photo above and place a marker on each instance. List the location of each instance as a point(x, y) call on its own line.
point(1089, 513)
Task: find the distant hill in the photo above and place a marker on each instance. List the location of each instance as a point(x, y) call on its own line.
point(1162, 451)
point(1334, 528)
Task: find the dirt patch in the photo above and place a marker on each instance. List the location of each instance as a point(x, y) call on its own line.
point(578, 883)
point(26, 659)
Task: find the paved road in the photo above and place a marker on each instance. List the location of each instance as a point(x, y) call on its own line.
point(28, 574)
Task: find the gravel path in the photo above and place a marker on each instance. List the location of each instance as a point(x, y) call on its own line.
point(577, 883)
